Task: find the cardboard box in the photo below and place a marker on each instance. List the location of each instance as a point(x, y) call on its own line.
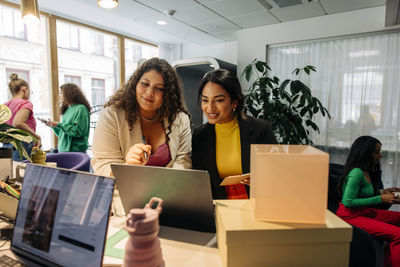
point(243, 241)
point(8, 206)
point(6, 165)
point(289, 183)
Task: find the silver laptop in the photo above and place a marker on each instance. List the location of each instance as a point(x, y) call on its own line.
point(62, 218)
point(186, 193)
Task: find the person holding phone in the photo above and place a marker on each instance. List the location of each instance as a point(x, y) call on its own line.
point(73, 130)
point(360, 195)
point(22, 113)
point(222, 145)
point(145, 122)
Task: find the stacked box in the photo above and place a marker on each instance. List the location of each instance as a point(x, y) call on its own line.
point(289, 183)
point(243, 241)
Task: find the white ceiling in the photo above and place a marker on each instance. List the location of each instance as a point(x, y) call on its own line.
point(196, 21)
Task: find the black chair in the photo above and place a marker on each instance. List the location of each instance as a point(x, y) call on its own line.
point(365, 250)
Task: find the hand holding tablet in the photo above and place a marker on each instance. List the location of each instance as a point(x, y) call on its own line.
point(234, 179)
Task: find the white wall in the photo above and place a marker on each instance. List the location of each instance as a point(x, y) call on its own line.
point(252, 42)
point(226, 51)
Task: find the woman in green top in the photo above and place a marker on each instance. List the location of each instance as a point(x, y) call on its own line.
point(359, 192)
point(73, 130)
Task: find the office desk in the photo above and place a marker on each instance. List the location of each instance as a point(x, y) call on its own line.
point(180, 247)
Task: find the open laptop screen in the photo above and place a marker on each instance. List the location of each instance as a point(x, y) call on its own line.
point(63, 215)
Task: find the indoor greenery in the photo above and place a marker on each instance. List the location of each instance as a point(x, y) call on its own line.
point(12, 135)
point(288, 106)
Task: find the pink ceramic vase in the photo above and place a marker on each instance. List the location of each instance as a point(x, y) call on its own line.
point(143, 247)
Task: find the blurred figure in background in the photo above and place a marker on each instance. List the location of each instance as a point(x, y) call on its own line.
point(22, 113)
point(73, 130)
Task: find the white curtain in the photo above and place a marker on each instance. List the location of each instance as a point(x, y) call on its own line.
point(358, 80)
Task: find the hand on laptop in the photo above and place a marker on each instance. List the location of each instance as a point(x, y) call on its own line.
point(138, 154)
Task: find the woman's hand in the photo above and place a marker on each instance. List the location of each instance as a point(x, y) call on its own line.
point(245, 181)
point(52, 123)
point(391, 190)
point(38, 142)
point(390, 198)
point(138, 154)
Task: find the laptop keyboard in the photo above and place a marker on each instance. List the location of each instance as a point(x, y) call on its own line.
point(7, 261)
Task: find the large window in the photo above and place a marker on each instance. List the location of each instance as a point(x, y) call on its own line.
point(97, 57)
point(357, 79)
point(134, 53)
point(87, 56)
point(24, 51)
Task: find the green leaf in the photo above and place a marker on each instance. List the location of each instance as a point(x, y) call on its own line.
point(294, 98)
point(295, 87)
point(302, 101)
point(284, 84)
point(260, 66)
point(248, 71)
point(5, 114)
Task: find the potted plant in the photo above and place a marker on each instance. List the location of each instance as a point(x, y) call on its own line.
point(12, 135)
point(288, 106)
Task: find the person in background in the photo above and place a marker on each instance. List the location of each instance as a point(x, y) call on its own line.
point(145, 122)
point(73, 130)
point(222, 146)
point(22, 113)
point(361, 171)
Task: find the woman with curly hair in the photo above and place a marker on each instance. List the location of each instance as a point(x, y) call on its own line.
point(145, 122)
point(73, 130)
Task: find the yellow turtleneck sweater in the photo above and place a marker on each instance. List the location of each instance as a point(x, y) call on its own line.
point(228, 150)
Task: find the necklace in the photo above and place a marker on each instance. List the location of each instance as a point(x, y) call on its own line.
point(148, 120)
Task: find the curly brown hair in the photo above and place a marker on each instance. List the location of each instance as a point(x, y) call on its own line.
point(72, 95)
point(172, 103)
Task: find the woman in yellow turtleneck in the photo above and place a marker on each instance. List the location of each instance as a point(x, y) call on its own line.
point(222, 146)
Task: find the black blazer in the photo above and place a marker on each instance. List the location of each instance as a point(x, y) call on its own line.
point(252, 131)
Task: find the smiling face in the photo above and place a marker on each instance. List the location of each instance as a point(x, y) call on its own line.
point(216, 104)
point(149, 93)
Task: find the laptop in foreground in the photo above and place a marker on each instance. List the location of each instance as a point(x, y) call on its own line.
point(62, 218)
point(186, 193)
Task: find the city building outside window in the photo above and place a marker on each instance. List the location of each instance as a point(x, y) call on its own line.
point(24, 50)
point(98, 44)
point(11, 23)
point(68, 36)
point(73, 79)
point(134, 52)
point(98, 91)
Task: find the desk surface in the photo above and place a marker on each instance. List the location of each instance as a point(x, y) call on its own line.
point(179, 247)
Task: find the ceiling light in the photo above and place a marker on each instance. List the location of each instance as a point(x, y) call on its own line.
point(161, 22)
point(107, 3)
point(30, 11)
point(169, 12)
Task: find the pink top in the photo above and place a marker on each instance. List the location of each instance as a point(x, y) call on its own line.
point(15, 105)
point(161, 157)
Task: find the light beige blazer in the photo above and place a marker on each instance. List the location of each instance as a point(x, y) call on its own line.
point(112, 140)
